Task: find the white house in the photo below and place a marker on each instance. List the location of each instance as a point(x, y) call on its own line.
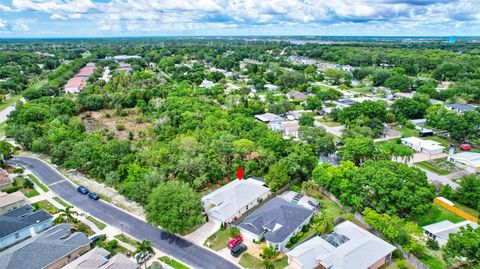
point(276, 221)
point(300, 199)
point(231, 201)
point(269, 118)
point(469, 161)
point(440, 231)
point(289, 129)
point(347, 247)
point(420, 145)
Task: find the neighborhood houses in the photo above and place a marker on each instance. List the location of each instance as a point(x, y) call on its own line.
point(441, 231)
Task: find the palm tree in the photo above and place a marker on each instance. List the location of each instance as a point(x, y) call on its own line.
point(67, 215)
point(324, 222)
point(143, 248)
point(308, 186)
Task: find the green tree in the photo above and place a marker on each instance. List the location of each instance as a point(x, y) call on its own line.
point(469, 191)
point(380, 76)
point(359, 149)
point(464, 245)
point(306, 119)
point(321, 141)
point(336, 75)
point(277, 176)
point(399, 82)
point(175, 207)
point(323, 221)
point(67, 215)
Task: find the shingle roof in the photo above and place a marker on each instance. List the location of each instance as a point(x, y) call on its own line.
point(21, 218)
point(43, 249)
point(358, 249)
point(4, 178)
point(11, 198)
point(461, 107)
point(279, 217)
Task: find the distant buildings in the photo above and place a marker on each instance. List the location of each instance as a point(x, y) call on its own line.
point(99, 258)
point(459, 108)
point(469, 161)
point(78, 82)
point(440, 231)
point(296, 96)
point(231, 201)
point(126, 67)
point(11, 201)
point(276, 221)
point(289, 129)
point(347, 247)
point(52, 249)
point(123, 57)
point(269, 118)
point(207, 84)
point(21, 223)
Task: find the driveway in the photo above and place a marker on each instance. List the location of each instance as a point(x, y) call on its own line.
point(175, 246)
point(200, 235)
point(444, 180)
point(336, 131)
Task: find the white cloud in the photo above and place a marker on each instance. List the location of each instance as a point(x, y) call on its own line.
point(5, 8)
point(3, 25)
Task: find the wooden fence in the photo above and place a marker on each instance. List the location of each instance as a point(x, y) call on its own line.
point(455, 210)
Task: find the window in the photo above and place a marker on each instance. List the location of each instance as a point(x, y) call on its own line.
point(17, 235)
point(247, 207)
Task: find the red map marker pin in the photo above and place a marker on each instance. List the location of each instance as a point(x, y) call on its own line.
point(240, 173)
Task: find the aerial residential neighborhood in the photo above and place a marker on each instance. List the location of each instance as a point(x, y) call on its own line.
point(239, 134)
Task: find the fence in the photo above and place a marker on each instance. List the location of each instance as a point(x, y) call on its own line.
point(455, 210)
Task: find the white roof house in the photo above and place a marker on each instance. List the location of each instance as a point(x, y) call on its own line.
point(348, 247)
point(440, 231)
point(232, 200)
point(207, 84)
point(467, 160)
point(420, 145)
point(269, 117)
point(300, 199)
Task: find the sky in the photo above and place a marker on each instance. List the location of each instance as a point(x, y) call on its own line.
point(114, 18)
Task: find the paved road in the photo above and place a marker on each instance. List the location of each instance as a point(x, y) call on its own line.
point(175, 246)
point(4, 113)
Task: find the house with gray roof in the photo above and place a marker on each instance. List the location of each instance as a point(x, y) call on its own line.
point(276, 221)
point(440, 231)
point(99, 258)
point(52, 249)
point(21, 223)
point(347, 247)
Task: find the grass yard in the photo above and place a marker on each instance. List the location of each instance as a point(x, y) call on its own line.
point(60, 201)
point(100, 225)
point(438, 166)
point(30, 192)
point(406, 132)
point(126, 239)
point(432, 262)
point(46, 205)
point(328, 122)
point(218, 240)
point(173, 263)
point(436, 214)
point(38, 183)
point(249, 261)
point(362, 90)
point(467, 209)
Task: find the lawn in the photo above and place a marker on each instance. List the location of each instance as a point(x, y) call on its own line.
point(218, 240)
point(173, 263)
point(362, 90)
point(126, 239)
point(60, 201)
point(38, 183)
point(436, 214)
point(467, 209)
point(100, 225)
point(19, 181)
point(249, 261)
point(328, 122)
point(2, 128)
point(432, 262)
point(46, 205)
point(406, 132)
point(438, 166)
point(10, 101)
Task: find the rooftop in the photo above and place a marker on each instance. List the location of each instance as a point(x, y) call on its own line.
point(427, 144)
point(268, 117)
point(300, 199)
point(11, 198)
point(5, 178)
point(229, 199)
point(278, 217)
point(44, 249)
point(347, 247)
point(99, 258)
point(460, 107)
point(443, 228)
point(21, 218)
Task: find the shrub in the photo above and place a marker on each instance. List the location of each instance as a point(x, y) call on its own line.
point(234, 232)
point(18, 170)
point(433, 244)
point(27, 184)
point(11, 189)
point(120, 127)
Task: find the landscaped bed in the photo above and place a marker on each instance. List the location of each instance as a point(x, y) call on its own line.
point(126, 239)
point(60, 201)
point(46, 205)
point(173, 263)
point(38, 183)
point(249, 261)
point(438, 166)
point(100, 225)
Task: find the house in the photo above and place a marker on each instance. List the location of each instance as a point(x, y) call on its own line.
point(269, 118)
point(207, 84)
point(347, 247)
point(123, 57)
point(21, 223)
point(52, 249)
point(125, 67)
point(276, 221)
point(440, 231)
point(75, 85)
point(296, 114)
point(11, 201)
point(459, 108)
point(420, 145)
point(231, 201)
point(271, 87)
point(300, 199)
point(469, 161)
point(296, 96)
point(5, 180)
point(289, 129)
point(99, 258)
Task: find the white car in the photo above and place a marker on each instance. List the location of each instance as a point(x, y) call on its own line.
point(142, 257)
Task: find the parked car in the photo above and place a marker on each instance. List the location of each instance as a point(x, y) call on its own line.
point(96, 238)
point(235, 241)
point(465, 147)
point(93, 196)
point(238, 250)
point(142, 257)
point(82, 190)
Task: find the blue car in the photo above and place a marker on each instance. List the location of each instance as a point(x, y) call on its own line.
point(93, 196)
point(82, 190)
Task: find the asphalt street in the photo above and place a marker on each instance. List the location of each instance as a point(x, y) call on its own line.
point(175, 246)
